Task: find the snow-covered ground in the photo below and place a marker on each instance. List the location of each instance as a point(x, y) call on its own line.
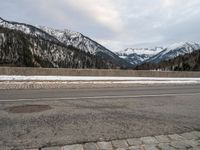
point(100, 79)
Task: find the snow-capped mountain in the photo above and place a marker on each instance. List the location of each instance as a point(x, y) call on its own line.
point(175, 50)
point(67, 38)
point(78, 40)
point(186, 62)
point(137, 56)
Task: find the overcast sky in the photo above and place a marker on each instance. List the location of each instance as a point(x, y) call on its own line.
point(117, 24)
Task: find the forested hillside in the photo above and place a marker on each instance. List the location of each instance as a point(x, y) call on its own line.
point(187, 62)
point(20, 49)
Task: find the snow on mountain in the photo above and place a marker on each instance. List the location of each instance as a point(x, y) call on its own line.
point(175, 50)
point(75, 39)
point(27, 29)
point(78, 40)
point(137, 56)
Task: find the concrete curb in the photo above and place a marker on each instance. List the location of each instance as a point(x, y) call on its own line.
point(184, 141)
point(94, 72)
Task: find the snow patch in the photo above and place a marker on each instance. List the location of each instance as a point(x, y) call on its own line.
point(90, 78)
point(175, 50)
point(136, 56)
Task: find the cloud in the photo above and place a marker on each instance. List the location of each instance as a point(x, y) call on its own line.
point(117, 24)
point(160, 22)
point(169, 3)
point(103, 11)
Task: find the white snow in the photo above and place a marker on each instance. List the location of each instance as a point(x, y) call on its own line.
point(175, 50)
point(136, 56)
point(101, 79)
point(15, 26)
point(189, 47)
point(71, 38)
point(139, 51)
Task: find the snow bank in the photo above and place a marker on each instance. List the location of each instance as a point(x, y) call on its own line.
point(90, 78)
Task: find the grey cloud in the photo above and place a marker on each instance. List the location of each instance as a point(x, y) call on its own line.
point(142, 23)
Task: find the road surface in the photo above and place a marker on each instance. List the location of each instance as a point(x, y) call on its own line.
point(82, 115)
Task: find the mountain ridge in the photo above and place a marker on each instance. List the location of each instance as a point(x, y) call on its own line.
point(186, 62)
point(175, 50)
point(23, 27)
point(80, 41)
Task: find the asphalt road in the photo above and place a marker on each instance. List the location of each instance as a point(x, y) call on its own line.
point(82, 115)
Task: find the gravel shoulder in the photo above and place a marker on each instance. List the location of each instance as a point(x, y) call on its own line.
point(86, 84)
